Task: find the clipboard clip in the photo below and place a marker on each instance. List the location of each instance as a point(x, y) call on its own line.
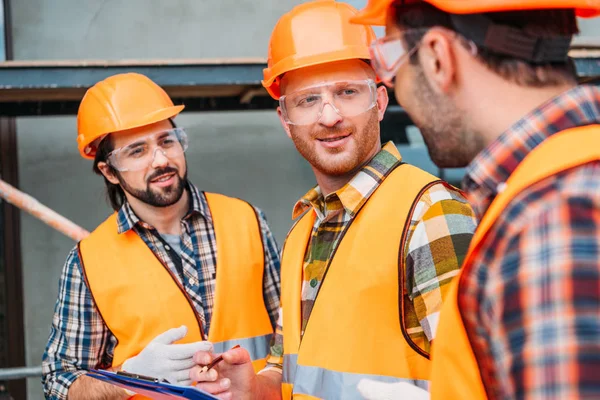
point(141, 377)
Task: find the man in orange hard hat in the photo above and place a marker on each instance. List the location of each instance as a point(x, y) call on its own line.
point(366, 267)
point(142, 293)
point(491, 87)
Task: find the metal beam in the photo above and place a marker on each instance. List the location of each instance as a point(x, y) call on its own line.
point(7, 374)
point(69, 80)
point(55, 88)
point(587, 64)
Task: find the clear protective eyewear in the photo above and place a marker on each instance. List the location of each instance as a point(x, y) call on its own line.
point(389, 53)
point(347, 98)
point(141, 153)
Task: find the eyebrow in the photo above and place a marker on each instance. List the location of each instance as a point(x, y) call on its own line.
point(134, 145)
point(140, 142)
point(332, 84)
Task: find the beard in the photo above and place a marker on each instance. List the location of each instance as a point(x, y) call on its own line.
point(450, 142)
point(343, 160)
point(163, 197)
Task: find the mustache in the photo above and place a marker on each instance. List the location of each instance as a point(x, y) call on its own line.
point(336, 130)
point(162, 171)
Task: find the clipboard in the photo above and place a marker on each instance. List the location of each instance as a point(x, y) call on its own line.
point(151, 387)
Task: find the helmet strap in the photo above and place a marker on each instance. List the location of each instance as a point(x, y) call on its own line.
point(511, 41)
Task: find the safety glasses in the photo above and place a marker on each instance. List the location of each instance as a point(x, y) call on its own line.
point(390, 52)
point(347, 98)
point(387, 56)
point(141, 152)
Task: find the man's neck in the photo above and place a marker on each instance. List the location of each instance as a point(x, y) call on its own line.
point(166, 220)
point(332, 183)
point(514, 104)
point(329, 184)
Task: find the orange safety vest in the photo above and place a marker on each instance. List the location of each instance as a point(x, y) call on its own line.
point(455, 373)
point(139, 298)
point(356, 329)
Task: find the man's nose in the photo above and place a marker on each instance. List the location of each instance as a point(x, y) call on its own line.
point(329, 115)
point(159, 159)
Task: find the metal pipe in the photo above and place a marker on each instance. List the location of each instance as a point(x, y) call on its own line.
point(27, 203)
point(8, 374)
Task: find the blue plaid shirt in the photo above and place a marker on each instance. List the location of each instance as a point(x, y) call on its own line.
point(79, 339)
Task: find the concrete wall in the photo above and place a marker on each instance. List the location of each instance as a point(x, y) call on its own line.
point(241, 154)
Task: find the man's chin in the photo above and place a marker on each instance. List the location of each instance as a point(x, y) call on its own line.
point(337, 169)
point(168, 195)
point(448, 159)
point(166, 200)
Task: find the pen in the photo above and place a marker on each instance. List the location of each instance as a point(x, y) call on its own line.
point(216, 361)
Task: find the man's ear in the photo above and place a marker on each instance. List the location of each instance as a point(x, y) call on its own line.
point(437, 59)
point(107, 172)
point(382, 101)
point(286, 126)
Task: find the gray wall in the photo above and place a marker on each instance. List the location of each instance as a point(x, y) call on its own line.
point(241, 154)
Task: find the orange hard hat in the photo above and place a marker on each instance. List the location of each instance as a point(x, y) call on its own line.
point(118, 103)
point(314, 33)
point(375, 11)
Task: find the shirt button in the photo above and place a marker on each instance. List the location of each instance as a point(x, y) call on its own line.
point(167, 247)
point(313, 282)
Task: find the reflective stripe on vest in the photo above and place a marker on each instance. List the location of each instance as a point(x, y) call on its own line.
point(139, 298)
point(354, 329)
point(331, 385)
point(455, 373)
point(258, 347)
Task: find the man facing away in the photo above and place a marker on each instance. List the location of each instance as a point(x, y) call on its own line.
point(491, 87)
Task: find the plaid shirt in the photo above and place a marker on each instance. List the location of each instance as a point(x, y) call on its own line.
point(79, 339)
point(440, 231)
point(532, 300)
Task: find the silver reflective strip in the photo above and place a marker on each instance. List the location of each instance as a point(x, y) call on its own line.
point(334, 385)
point(290, 362)
point(258, 346)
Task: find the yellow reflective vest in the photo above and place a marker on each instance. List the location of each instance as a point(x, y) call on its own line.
point(139, 298)
point(455, 373)
point(356, 328)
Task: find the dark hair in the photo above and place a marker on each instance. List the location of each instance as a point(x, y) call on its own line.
point(553, 22)
point(114, 192)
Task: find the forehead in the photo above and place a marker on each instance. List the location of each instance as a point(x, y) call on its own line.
point(326, 73)
point(129, 136)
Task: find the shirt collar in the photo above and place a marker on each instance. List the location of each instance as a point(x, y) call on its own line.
point(489, 170)
point(127, 218)
point(357, 191)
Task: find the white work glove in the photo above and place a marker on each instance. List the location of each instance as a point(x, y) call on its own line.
point(164, 360)
point(374, 390)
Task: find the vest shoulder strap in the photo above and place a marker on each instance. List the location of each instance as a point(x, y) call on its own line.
point(560, 152)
